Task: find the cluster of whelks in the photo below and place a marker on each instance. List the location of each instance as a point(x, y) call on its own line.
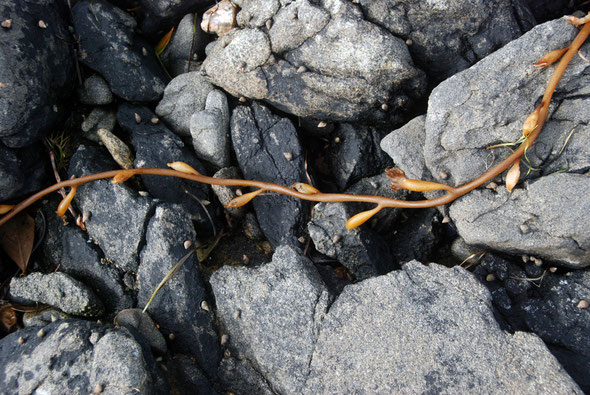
point(531, 129)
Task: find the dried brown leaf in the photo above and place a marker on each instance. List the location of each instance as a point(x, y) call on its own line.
point(7, 317)
point(17, 237)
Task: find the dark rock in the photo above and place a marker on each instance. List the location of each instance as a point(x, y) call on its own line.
point(320, 60)
point(272, 315)
point(267, 149)
point(238, 376)
point(544, 10)
point(21, 171)
point(177, 307)
point(209, 130)
point(447, 37)
point(159, 14)
point(355, 153)
point(184, 95)
point(185, 377)
point(440, 322)
point(36, 70)
point(109, 45)
point(360, 250)
point(156, 146)
point(67, 248)
point(76, 357)
point(99, 118)
point(112, 209)
point(415, 236)
point(183, 52)
point(138, 320)
point(58, 290)
point(95, 91)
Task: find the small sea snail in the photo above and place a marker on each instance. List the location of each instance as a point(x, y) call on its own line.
point(220, 18)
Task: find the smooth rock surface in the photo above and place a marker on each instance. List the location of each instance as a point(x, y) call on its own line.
point(109, 45)
point(95, 91)
point(76, 356)
point(183, 96)
point(436, 323)
point(321, 60)
point(112, 208)
point(272, 315)
point(36, 70)
point(267, 149)
point(58, 290)
point(177, 307)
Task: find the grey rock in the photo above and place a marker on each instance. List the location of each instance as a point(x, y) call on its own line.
point(44, 317)
point(360, 250)
point(36, 70)
point(76, 356)
point(255, 13)
point(99, 118)
point(267, 149)
point(225, 193)
point(182, 54)
point(67, 248)
point(95, 91)
point(183, 96)
point(238, 376)
point(119, 151)
point(350, 66)
point(117, 213)
point(209, 130)
point(406, 147)
point(158, 14)
point(156, 146)
point(177, 306)
point(58, 290)
point(138, 320)
point(354, 153)
point(435, 321)
point(109, 45)
point(272, 315)
point(447, 37)
point(21, 171)
point(544, 218)
point(185, 377)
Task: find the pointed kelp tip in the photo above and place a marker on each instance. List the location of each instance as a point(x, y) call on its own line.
point(4, 208)
point(182, 167)
point(360, 218)
point(551, 57)
point(122, 176)
point(244, 199)
point(513, 175)
point(65, 203)
point(305, 188)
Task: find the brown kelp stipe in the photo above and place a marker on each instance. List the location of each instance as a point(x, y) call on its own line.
point(531, 129)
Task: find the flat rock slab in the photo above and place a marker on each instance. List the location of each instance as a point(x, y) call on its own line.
point(315, 59)
point(75, 357)
point(427, 329)
point(272, 315)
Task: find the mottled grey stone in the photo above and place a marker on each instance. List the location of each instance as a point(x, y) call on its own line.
point(99, 118)
point(272, 315)
point(76, 356)
point(406, 147)
point(255, 13)
point(320, 60)
point(548, 218)
point(95, 91)
point(177, 307)
point(118, 214)
point(183, 96)
point(209, 130)
point(109, 45)
point(58, 290)
point(436, 323)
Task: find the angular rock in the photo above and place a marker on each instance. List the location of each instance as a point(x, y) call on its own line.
point(439, 323)
point(320, 60)
point(95, 91)
point(267, 149)
point(184, 95)
point(67, 248)
point(156, 146)
point(158, 14)
point(406, 147)
point(239, 377)
point(177, 56)
point(36, 70)
point(360, 250)
point(177, 307)
point(109, 45)
point(77, 356)
point(58, 290)
point(112, 208)
point(136, 320)
point(272, 315)
point(545, 218)
point(21, 171)
point(355, 153)
point(447, 37)
point(209, 129)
